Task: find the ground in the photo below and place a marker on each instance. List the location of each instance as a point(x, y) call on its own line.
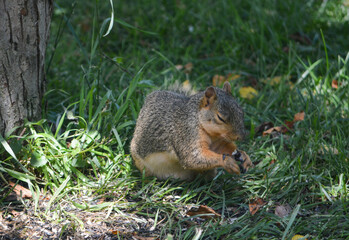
point(287, 62)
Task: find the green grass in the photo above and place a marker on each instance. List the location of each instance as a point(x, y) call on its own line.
point(79, 152)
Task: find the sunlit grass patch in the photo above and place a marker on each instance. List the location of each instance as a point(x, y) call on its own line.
point(76, 160)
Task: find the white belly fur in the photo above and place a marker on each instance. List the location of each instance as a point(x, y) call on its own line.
point(166, 164)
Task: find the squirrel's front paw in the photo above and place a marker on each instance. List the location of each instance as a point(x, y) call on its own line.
point(230, 165)
point(247, 163)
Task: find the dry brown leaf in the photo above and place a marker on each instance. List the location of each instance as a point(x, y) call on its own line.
point(334, 84)
point(21, 191)
point(255, 205)
point(264, 127)
point(289, 124)
point(115, 232)
point(282, 210)
point(188, 67)
point(232, 77)
point(203, 209)
point(218, 80)
point(279, 129)
point(299, 116)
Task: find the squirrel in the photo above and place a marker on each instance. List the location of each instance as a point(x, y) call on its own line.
point(183, 136)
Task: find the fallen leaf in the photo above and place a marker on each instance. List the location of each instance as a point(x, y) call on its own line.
point(272, 81)
point(279, 129)
point(232, 77)
point(248, 92)
point(203, 209)
point(299, 116)
point(296, 237)
point(179, 67)
point(218, 80)
point(255, 205)
point(188, 67)
point(21, 191)
point(263, 127)
point(289, 124)
point(282, 210)
point(334, 84)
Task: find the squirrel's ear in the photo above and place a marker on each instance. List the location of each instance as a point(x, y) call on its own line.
point(227, 87)
point(209, 98)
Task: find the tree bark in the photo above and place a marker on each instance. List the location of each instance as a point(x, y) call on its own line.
point(24, 32)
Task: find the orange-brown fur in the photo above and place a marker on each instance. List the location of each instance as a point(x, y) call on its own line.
point(181, 137)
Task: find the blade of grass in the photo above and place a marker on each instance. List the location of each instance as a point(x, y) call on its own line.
point(9, 150)
point(56, 193)
point(290, 222)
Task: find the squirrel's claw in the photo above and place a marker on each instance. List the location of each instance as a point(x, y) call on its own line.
point(244, 159)
point(230, 165)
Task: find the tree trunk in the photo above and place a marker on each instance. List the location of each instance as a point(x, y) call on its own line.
point(24, 31)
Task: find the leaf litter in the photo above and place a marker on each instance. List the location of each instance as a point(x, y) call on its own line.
point(281, 129)
point(255, 205)
point(19, 220)
point(204, 212)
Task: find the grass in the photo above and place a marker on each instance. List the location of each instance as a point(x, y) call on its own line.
point(78, 154)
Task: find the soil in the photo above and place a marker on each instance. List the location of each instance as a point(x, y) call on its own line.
point(19, 220)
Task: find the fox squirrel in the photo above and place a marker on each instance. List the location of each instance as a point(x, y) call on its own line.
point(179, 136)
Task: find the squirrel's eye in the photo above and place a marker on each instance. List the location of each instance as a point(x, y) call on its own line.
point(220, 118)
